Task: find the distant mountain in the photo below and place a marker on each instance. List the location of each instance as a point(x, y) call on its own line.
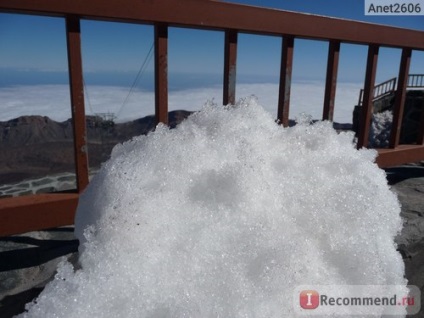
point(36, 146)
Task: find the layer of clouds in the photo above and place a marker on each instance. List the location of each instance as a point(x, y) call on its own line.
point(54, 100)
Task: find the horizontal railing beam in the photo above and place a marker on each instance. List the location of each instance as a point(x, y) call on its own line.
point(399, 155)
point(223, 15)
point(37, 212)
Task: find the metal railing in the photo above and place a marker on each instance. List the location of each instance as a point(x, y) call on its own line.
point(34, 212)
point(380, 90)
point(415, 81)
point(389, 87)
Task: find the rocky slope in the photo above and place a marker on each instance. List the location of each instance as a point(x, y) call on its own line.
point(36, 146)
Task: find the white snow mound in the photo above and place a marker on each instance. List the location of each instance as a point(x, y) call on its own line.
point(224, 216)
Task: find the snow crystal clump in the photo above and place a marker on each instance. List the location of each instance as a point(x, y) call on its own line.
point(381, 127)
point(225, 216)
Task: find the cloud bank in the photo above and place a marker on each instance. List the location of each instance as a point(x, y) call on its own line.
point(54, 100)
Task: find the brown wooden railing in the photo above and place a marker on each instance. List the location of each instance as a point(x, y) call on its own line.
point(27, 213)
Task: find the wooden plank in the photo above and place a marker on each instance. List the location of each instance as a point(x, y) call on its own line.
point(224, 15)
point(77, 100)
point(420, 139)
point(285, 81)
point(36, 212)
point(230, 61)
point(161, 73)
point(331, 80)
point(400, 155)
point(366, 110)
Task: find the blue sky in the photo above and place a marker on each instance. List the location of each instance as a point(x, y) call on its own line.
point(33, 50)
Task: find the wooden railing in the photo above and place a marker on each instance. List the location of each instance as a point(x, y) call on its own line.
point(41, 211)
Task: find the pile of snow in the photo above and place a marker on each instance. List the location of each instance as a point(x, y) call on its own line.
point(225, 216)
point(380, 129)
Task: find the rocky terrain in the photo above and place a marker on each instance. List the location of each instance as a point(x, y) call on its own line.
point(408, 183)
point(35, 146)
point(37, 155)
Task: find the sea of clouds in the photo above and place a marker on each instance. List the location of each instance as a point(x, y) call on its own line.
point(225, 216)
point(54, 100)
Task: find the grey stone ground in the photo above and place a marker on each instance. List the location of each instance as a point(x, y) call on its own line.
point(408, 183)
point(28, 261)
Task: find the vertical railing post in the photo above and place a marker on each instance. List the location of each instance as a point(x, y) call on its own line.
point(285, 80)
point(420, 137)
point(230, 60)
point(73, 38)
point(331, 80)
point(400, 97)
point(161, 73)
point(366, 111)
